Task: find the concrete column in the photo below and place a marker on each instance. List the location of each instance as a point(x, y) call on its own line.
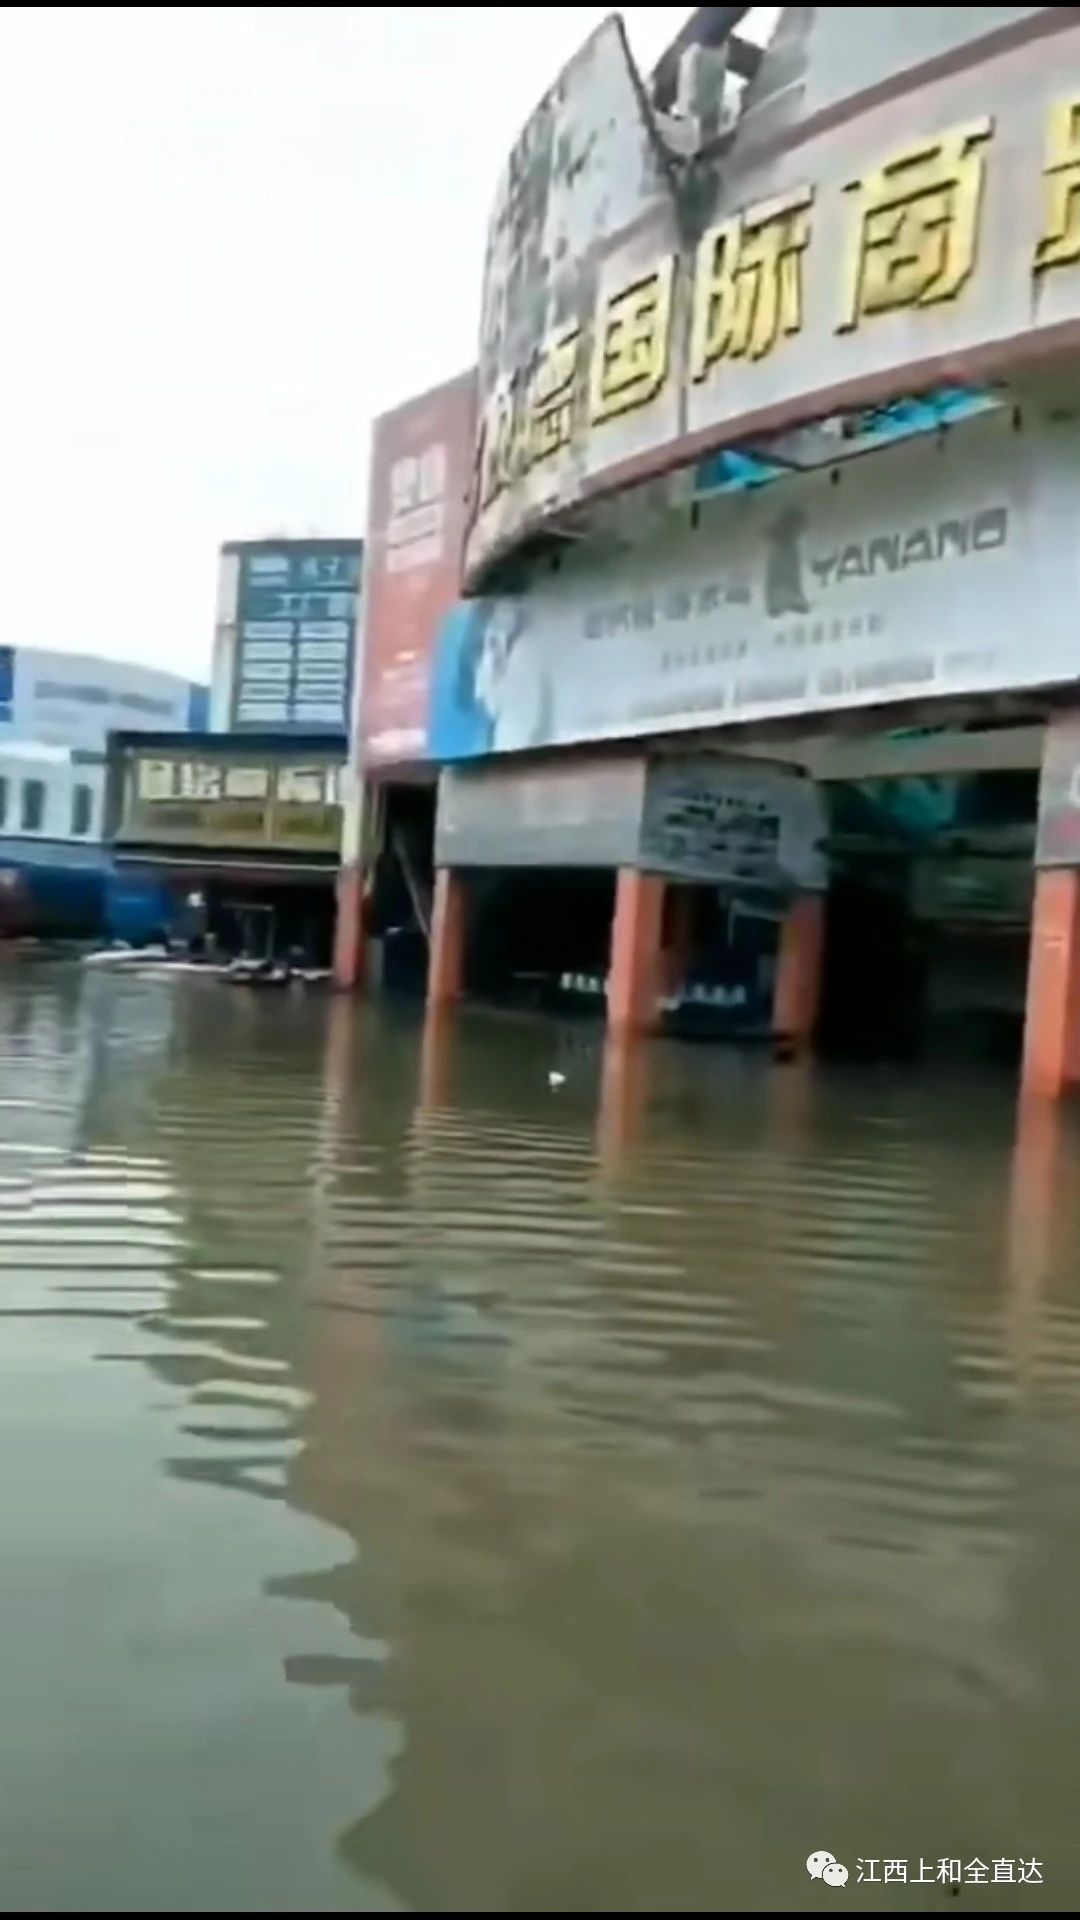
point(349, 939)
point(1052, 1021)
point(634, 981)
point(446, 967)
point(799, 970)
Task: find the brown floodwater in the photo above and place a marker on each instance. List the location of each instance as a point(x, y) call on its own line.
point(424, 1487)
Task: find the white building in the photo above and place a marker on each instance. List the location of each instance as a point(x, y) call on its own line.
point(56, 713)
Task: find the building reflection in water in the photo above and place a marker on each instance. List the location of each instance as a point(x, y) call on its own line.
point(732, 1482)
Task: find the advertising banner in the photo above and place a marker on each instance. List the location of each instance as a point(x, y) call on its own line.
point(420, 476)
point(939, 567)
point(295, 636)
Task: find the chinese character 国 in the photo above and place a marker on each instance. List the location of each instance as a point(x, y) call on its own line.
point(1059, 242)
point(748, 282)
point(630, 344)
point(916, 225)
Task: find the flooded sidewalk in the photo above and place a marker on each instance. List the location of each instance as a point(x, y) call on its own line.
point(473, 1468)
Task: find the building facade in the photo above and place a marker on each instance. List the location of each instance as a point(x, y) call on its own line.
point(239, 824)
point(57, 711)
point(771, 514)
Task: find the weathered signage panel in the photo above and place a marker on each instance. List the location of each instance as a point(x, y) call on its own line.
point(706, 819)
point(579, 813)
point(934, 568)
point(635, 314)
point(715, 821)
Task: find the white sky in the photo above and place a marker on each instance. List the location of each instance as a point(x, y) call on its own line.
point(230, 236)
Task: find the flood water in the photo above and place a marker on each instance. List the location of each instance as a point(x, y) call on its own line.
point(426, 1488)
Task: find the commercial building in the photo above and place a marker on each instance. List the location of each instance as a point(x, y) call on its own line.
point(765, 667)
point(245, 817)
point(56, 713)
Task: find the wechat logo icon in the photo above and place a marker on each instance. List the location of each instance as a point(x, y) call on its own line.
point(825, 1866)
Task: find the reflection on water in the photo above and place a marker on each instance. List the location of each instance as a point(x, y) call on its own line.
point(428, 1488)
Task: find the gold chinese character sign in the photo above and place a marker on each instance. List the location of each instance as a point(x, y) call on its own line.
point(916, 225)
point(748, 282)
point(551, 395)
point(1059, 243)
point(630, 343)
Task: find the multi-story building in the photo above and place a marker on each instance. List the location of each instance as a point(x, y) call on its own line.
point(244, 818)
point(765, 669)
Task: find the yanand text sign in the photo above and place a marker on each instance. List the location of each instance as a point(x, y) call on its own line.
point(936, 234)
point(936, 568)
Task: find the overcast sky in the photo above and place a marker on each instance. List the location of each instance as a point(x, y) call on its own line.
point(230, 237)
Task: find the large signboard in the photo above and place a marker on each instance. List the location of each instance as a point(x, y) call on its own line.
point(708, 819)
point(420, 477)
point(934, 568)
point(207, 799)
point(295, 616)
point(702, 818)
point(929, 232)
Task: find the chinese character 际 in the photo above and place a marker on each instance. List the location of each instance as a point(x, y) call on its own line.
point(1060, 239)
point(630, 344)
point(1031, 1873)
point(551, 395)
point(748, 282)
point(916, 226)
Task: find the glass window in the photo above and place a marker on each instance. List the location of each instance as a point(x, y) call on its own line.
point(33, 805)
point(247, 783)
point(157, 779)
point(3, 799)
point(82, 809)
point(303, 785)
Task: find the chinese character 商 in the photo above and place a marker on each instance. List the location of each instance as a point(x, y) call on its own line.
point(630, 345)
point(748, 282)
point(1060, 240)
point(916, 228)
point(551, 394)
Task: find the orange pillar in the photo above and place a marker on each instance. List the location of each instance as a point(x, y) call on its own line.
point(1052, 1021)
point(634, 980)
point(446, 967)
point(349, 927)
point(678, 937)
point(800, 962)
